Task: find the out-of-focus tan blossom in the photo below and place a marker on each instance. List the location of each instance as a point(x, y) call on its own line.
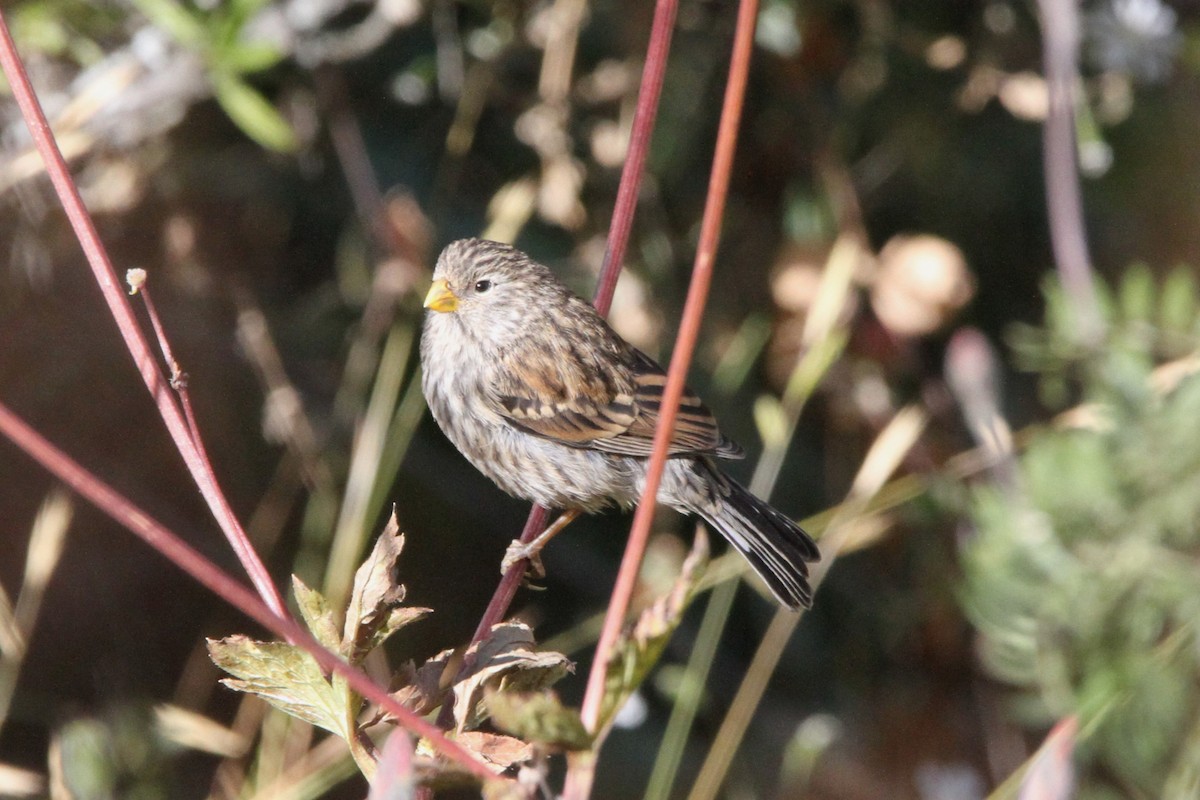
point(921, 283)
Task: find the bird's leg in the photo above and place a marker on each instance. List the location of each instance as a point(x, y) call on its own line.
point(519, 551)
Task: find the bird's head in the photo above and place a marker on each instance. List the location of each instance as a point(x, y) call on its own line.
point(491, 290)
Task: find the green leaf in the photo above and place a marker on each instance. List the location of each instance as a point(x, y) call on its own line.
point(253, 113)
point(1177, 310)
point(283, 675)
point(538, 717)
point(317, 615)
point(1137, 292)
point(247, 57)
point(182, 24)
point(243, 10)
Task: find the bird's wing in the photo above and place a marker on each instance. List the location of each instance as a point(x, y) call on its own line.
point(607, 401)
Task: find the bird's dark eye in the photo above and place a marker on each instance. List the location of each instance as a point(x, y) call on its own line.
point(482, 286)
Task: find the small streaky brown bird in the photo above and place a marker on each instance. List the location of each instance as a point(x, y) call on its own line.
point(544, 398)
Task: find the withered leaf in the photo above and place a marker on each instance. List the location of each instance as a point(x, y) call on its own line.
point(424, 688)
point(496, 749)
point(283, 675)
point(538, 717)
point(375, 611)
point(506, 660)
point(639, 648)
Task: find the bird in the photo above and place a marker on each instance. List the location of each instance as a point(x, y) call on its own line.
point(542, 396)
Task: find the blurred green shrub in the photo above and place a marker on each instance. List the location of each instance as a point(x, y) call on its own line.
point(1082, 575)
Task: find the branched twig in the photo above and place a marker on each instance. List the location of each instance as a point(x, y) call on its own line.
point(122, 312)
point(219, 582)
point(179, 382)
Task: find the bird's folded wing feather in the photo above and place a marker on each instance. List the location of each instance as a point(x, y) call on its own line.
point(612, 406)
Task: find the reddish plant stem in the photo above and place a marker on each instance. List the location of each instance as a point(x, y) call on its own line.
point(179, 382)
point(178, 379)
point(653, 70)
point(1064, 197)
point(118, 304)
point(511, 581)
point(689, 329)
point(219, 582)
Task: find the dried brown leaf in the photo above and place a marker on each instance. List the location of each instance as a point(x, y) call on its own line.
point(424, 688)
point(497, 749)
point(375, 611)
point(506, 661)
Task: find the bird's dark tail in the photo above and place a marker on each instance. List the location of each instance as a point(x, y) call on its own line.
point(777, 548)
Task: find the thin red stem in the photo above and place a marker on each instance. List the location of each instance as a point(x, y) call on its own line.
point(179, 384)
point(219, 582)
point(511, 581)
point(653, 71)
point(164, 344)
point(710, 233)
point(118, 304)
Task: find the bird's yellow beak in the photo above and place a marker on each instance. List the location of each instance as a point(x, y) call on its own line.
point(440, 298)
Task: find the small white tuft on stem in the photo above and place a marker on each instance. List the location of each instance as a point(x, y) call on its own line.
point(136, 278)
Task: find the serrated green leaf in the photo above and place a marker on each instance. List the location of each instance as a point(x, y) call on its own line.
point(283, 675)
point(317, 615)
point(253, 113)
point(538, 717)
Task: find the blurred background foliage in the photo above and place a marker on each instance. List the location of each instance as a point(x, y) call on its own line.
point(286, 171)
point(1081, 577)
